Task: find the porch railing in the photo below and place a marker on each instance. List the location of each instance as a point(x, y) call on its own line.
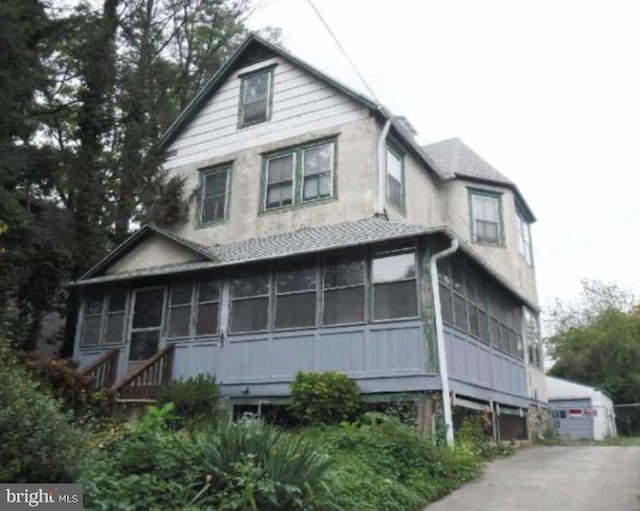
point(102, 371)
point(144, 381)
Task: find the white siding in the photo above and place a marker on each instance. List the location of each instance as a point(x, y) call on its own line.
point(301, 104)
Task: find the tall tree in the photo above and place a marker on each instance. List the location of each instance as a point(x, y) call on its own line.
point(596, 340)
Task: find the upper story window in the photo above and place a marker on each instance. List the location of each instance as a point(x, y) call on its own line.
point(299, 175)
point(214, 194)
point(256, 91)
point(395, 177)
point(524, 237)
point(486, 216)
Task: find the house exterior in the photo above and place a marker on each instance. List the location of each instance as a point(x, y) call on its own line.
point(580, 411)
point(322, 236)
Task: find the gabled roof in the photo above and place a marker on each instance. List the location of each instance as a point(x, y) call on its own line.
point(453, 159)
point(308, 240)
point(253, 47)
point(135, 239)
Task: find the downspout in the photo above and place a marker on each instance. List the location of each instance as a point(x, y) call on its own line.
point(382, 167)
point(442, 354)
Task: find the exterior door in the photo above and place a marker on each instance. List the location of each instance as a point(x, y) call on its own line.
point(146, 325)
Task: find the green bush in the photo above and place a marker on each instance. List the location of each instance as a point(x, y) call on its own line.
point(384, 464)
point(324, 398)
point(194, 399)
point(38, 441)
point(251, 465)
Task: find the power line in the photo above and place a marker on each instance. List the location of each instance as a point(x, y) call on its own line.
point(344, 52)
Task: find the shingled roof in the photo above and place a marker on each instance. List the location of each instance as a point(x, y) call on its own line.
point(303, 241)
point(453, 159)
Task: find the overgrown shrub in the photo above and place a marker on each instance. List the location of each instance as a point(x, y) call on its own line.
point(384, 464)
point(473, 434)
point(194, 399)
point(251, 465)
point(38, 441)
point(324, 398)
point(60, 377)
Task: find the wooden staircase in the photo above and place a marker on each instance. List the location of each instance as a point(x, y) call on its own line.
point(140, 385)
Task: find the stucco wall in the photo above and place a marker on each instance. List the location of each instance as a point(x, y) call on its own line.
point(356, 176)
point(423, 201)
point(155, 251)
point(507, 260)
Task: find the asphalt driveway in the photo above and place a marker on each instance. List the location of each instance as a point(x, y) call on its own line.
point(584, 478)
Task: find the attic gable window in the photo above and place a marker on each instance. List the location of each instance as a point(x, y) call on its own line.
point(486, 217)
point(256, 91)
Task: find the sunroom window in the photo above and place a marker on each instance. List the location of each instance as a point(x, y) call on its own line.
point(344, 290)
point(180, 309)
point(250, 302)
point(104, 317)
point(296, 296)
point(393, 276)
point(208, 307)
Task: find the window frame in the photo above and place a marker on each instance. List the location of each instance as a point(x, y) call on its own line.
point(525, 243)
point(195, 311)
point(268, 270)
point(204, 173)
point(104, 319)
point(171, 306)
point(393, 250)
point(269, 70)
point(298, 178)
point(277, 294)
point(497, 196)
point(394, 148)
point(361, 257)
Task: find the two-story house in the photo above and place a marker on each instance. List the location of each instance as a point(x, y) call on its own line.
point(322, 236)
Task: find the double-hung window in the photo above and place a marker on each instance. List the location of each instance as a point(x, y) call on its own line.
point(524, 238)
point(280, 180)
point(256, 91)
point(393, 276)
point(214, 194)
point(299, 175)
point(395, 178)
point(344, 290)
point(486, 218)
point(296, 296)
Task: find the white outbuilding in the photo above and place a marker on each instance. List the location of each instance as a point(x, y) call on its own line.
point(580, 411)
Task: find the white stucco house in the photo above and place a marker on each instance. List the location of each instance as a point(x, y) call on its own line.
point(322, 236)
point(580, 411)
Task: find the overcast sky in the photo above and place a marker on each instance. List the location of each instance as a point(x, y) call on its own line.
point(548, 92)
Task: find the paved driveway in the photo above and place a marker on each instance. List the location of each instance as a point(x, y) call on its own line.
point(584, 478)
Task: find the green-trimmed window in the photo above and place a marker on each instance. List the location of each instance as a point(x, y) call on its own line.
point(256, 91)
point(524, 237)
point(395, 177)
point(215, 191)
point(299, 175)
point(486, 215)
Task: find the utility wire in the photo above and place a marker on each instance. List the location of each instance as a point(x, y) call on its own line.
point(344, 52)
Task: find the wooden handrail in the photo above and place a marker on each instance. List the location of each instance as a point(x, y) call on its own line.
point(144, 381)
point(102, 370)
